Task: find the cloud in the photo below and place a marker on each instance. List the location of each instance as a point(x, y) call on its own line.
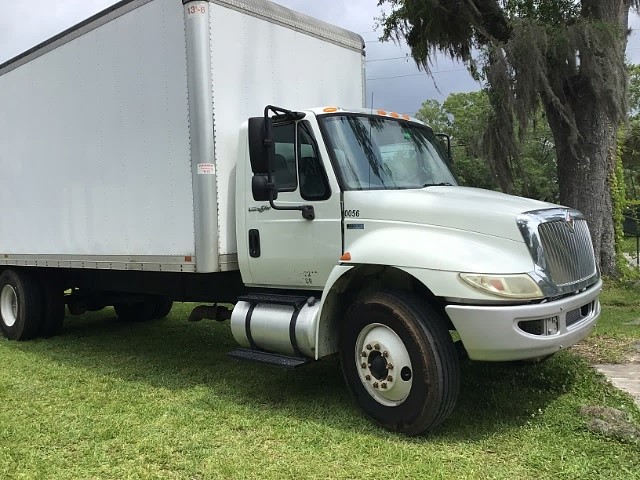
point(25, 24)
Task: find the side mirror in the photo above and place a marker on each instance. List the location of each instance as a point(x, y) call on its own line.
point(260, 188)
point(259, 152)
point(446, 139)
point(261, 155)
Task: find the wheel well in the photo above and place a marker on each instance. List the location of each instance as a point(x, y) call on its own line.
point(364, 280)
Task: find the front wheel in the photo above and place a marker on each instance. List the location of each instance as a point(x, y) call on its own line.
point(399, 362)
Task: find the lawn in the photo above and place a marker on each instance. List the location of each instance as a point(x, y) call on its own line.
point(108, 399)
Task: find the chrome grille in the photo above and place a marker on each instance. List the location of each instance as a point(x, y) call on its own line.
point(568, 251)
point(560, 246)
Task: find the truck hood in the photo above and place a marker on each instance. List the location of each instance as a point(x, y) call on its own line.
point(463, 208)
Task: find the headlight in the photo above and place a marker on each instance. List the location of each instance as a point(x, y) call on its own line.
point(519, 286)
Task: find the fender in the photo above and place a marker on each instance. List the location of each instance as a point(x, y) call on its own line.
point(432, 255)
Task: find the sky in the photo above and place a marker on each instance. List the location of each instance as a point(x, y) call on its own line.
point(393, 81)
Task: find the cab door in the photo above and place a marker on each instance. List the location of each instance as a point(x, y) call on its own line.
point(285, 249)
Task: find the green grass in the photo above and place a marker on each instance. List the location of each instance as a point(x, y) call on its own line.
point(162, 400)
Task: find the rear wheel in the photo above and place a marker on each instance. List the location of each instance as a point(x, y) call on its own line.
point(399, 362)
point(20, 305)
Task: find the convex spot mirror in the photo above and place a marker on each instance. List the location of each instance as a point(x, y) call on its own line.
point(260, 189)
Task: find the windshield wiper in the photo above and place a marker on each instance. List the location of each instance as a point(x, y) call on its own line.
point(442, 184)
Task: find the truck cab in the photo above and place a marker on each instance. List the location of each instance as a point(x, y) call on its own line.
point(357, 212)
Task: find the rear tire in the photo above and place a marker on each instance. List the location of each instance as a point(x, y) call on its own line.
point(399, 362)
point(20, 305)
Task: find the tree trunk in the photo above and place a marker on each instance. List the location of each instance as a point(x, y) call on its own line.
point(586, 167)
point(584, 170)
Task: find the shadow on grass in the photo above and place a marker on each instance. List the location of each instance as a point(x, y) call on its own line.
point(177, 355)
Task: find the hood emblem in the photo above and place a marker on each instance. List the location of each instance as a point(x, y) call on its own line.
point(569, 221)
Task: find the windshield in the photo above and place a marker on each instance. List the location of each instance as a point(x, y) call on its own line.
point(373, 153)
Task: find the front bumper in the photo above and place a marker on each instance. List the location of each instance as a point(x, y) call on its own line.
point(496, 333)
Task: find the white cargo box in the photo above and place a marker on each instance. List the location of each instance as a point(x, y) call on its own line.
point(119, 137)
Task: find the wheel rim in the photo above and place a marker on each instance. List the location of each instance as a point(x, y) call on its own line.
point(9, 305)
point(383, 364)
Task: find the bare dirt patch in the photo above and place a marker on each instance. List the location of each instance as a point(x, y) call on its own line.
point(608, 350)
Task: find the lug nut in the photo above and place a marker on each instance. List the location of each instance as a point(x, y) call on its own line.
point(384, 385)
point(385, 354)
point(367, 377)
point(377, 346)
point(375, 385)
point(364, 365)
point(369, 347)
point(389, 366)
point(389, 378)
point(363, 354)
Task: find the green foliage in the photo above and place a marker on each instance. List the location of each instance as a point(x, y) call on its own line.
point(559, 12)
point(629, 140)
point(619, 200)
point(461, 117)
point(634, 91)
point(527, 51)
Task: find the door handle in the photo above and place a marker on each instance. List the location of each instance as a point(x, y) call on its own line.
point(254, 243)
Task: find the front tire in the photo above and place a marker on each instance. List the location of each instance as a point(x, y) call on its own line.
point(399, 362)
point(20, 305)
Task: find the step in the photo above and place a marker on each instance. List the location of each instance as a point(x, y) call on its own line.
point(266, 358)
point(293, 300)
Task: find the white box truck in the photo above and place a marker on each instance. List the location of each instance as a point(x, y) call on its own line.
point(218, 152)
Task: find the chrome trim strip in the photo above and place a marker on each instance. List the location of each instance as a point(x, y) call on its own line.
point(152, 263)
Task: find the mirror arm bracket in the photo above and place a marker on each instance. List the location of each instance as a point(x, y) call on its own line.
point(308, 212)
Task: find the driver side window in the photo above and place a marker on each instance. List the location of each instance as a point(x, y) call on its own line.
point(297, 161)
